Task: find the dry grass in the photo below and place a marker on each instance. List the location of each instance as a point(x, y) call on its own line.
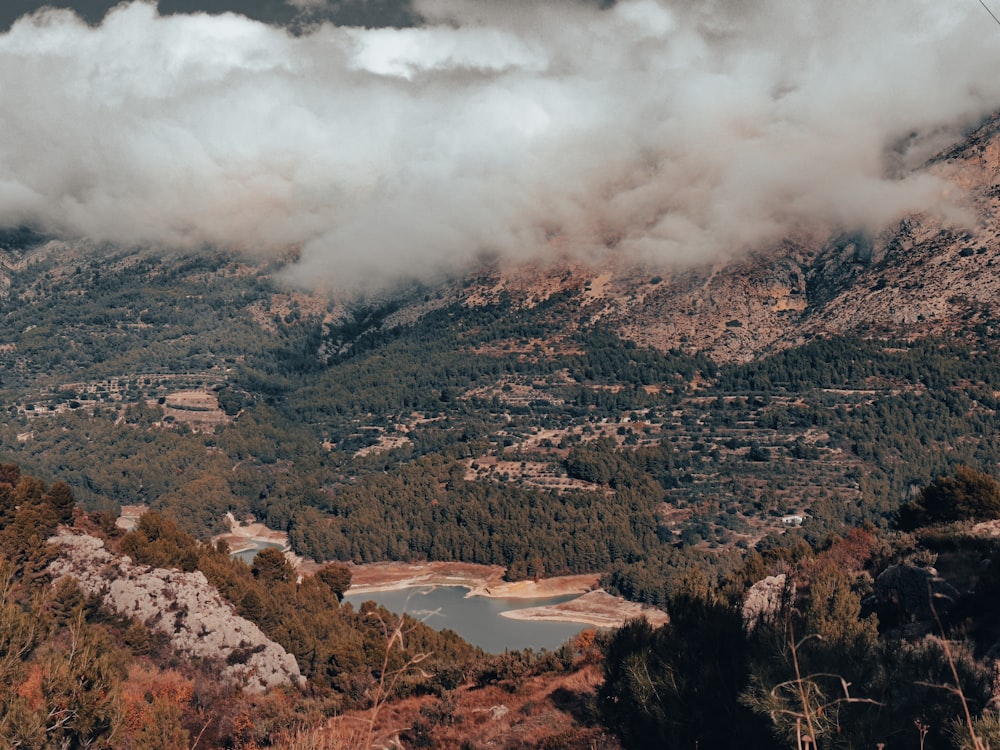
point(548, 711)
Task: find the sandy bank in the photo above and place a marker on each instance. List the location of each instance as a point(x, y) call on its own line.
point(543, 588)
point(481, 580)
point(597, 608)
point(242, 537)
point(392, 576)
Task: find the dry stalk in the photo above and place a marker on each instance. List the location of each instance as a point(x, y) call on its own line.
point(359, 732)
point(977, 743)
point(812, 701)
point(389, 678)
point(922, 729)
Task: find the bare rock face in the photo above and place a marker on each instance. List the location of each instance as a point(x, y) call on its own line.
point(921, 277)
point(184, 606)
point(764, 600)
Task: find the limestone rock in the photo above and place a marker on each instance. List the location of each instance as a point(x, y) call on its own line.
point(198, 621)
point(763, 600)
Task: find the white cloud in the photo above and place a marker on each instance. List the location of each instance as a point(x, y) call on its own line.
point(680, 130)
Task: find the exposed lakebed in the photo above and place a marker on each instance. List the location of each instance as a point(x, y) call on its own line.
point(477, 619)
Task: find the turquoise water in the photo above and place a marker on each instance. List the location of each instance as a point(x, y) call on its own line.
point(248, 555)
point(477, 619)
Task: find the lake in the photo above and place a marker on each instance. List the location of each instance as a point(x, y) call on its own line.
point(477, 619)
point(250, 553)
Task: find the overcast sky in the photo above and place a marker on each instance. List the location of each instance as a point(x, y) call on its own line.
point(668, 130)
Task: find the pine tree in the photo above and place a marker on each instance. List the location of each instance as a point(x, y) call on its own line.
point(270, 566)
point(60, 497)
point(162, 729)
point(337, 577)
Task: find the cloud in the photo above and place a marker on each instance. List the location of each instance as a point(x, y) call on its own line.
point(309, 4)
point(670, 130)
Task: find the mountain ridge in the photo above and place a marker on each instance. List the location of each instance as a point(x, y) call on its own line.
point(741, 307)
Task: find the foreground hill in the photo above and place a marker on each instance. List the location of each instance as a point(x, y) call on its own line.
point(152, 640)
point(870, 637)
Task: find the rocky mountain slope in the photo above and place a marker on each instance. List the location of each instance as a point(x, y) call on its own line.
point(920, 278)
point(183, 606)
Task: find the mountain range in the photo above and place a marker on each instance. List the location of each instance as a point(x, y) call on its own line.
point(669, 428)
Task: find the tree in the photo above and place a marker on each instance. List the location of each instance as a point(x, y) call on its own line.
point(251, 607)
point(24, 540)
point(29, 490)
point(162, 729)
point(969, 495)
point(67, 600)
point(337, 577)
point(158, 541)
point(20, 632)
point(8, 505)
point(10, 474)
point(680, 685)
point(60, 497)
point(81, 688)
point(270, 566)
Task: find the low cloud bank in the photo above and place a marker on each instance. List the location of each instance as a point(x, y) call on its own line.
point(672, 131)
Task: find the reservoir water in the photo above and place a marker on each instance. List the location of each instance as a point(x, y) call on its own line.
point(250, 553)
point(477, 618)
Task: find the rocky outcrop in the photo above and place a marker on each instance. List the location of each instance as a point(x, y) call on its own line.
point(764, 600)
point(184, 606)
point(912, 595)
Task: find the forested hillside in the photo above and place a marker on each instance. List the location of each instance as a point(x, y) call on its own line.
point(790, 512)
point(78, 673)
point(425, 426)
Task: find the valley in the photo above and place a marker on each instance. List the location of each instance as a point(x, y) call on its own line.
point(480, 375)
point(523, 394)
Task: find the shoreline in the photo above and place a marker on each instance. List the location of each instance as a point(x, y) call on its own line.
point(395, 576)
point(481, 580)
point(251, 534)
point(592, 606)
point(597, 608)
point(543, 588)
